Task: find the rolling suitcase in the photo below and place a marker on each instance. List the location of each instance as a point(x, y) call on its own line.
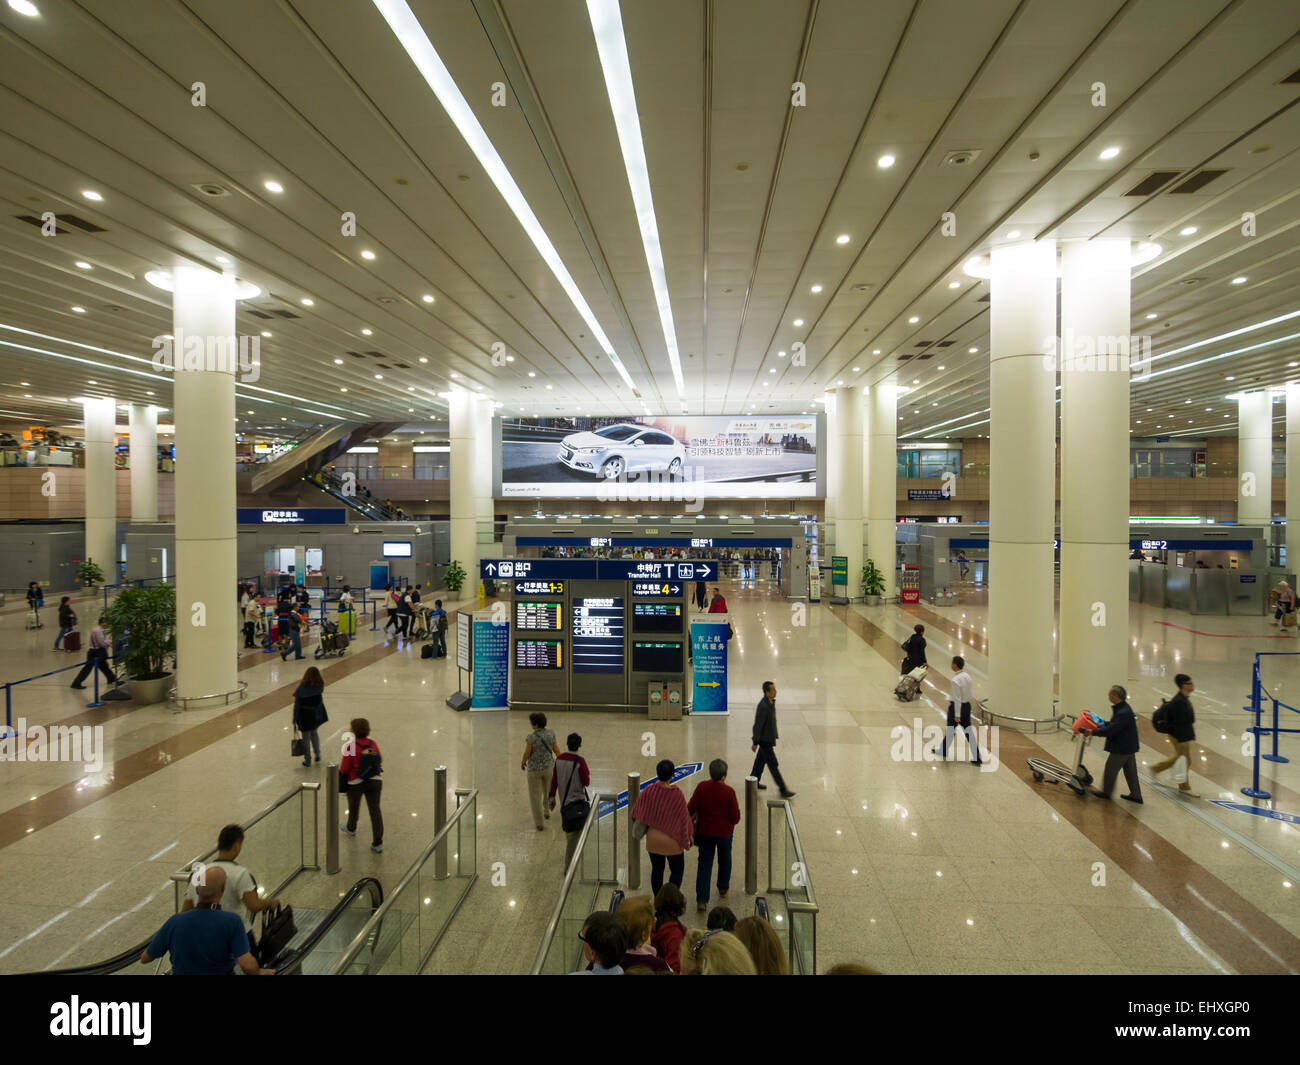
point(72, 641)
point(33, 621)
point(347, 622)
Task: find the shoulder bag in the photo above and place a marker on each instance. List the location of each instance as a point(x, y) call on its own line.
point(278, 930)
point(573, 812)
point(298, 745)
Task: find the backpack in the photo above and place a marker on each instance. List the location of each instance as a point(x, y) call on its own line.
point(442, 622)
point(426, 651)
point(1160, 719)
point(368, 763)
point(574, 811)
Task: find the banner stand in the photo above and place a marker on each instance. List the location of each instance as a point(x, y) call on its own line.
point(460, 699)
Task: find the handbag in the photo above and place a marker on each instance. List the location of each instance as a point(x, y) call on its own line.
point(278, 930)
point(573, 812)
point(298, 745)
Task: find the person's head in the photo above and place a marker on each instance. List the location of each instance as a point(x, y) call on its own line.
point(1283, 585)
point(669, 901)
point(763, 946)
point(103, 619)
point(638, 916)
point(1184, 683)
point(573, 741)
point(1117, 694)
point(213, 885)
point(230, 839)
point(721, 918)
point(665, 770)
point(32, 584)
point(360, 728)
point(769, 691)
point(716, 593)
point(65, 600)
point(438, 603)
point(347, 588)
point(604, 939)
point(388, 587)
point(958, 662)
point(715, 953)
point(537, 720)
point(718, 770)
point(312, 678)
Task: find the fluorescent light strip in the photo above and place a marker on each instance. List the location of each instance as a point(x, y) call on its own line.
point(87, 362)
point(1226, 336)
point(958, 428)
point(607, 25)
point(938, 425)
point(1216, 358)
point(410, 34)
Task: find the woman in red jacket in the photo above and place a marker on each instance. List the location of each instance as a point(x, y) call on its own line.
point(717, 813)
point(362, 768)
point(662, 809)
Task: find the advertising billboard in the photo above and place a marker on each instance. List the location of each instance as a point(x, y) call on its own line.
point(687, 458)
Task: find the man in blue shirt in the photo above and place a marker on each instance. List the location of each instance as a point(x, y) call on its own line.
point(205, 941)
point(438, 625)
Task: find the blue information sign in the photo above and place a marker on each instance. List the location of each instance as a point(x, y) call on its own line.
point(491, 651)
point(591, 569)
point(654, 541)
point(290, 516)
point(709, 664)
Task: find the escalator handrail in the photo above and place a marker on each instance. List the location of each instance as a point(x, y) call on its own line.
point(290, 964)
point(100, 968)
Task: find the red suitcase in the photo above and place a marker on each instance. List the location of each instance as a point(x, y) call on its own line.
point(72, 641)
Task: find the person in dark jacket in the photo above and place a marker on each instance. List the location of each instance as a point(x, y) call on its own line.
point(915, 649)
point(309, 712)
point(290, 628)
point(764, 737)
point(1181, 731)
point(67, 621)
point(1122, 743)
point(701, 594)
point(35, 600)
point(362, 768)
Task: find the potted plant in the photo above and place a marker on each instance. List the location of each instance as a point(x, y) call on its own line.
point(455, 576)
point(89, 574)
point(873, 583)
point(146, 619)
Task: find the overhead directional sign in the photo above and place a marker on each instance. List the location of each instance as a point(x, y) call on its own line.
point(1244, 808)
point(605, 569)
point(652, 589)
point(689, 769)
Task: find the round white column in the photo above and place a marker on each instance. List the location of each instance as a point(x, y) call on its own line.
point(1292, 477)
point(882, 483)
point(144, 462)
point(832, 469)
point(1255, 459)
point(1094, 367)
point(848, 486)
point(464, 515)
point(1022, 479)
point(484, 503)
point(203, 315)
point(101, 486)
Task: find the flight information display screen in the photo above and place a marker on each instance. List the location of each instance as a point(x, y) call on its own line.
point(539, 654)
point(656, 617)
point(650, 657)
point(538, 616)
point(598, 634)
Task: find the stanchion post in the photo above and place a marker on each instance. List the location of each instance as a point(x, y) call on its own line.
point(1275, 757)
point(331, 818)
point(96, 702)
point(439, 820)
point(751, 835)
point(633, 844)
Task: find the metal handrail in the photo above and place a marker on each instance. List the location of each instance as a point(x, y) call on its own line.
point(793, 905)
point(291, 964)
point(552, 926)
point(465, 800)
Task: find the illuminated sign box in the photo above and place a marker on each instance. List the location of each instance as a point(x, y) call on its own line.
point(396, 549)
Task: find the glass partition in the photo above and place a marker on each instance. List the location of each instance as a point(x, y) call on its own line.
point(795, 912)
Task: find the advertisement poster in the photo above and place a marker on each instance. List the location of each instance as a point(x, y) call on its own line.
point(491, 656)
point(660, 458)
point(709, 664)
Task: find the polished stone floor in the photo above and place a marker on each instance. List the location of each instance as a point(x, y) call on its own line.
point(917, 866)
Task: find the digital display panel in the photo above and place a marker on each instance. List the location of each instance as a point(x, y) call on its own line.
point(396, 549)
point(650, 657)
point(668, 459)
point(539, 654)
point(656, 617)
point(532, 616)
point(598, 634)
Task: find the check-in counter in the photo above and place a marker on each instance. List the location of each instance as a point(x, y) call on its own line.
point(1155, 588)
point(1246, 593)
point(1199, 591)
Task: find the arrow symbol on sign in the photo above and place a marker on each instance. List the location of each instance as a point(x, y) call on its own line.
point(491, 568)
point(708, 684)
point(704, 571)
point(676, 589)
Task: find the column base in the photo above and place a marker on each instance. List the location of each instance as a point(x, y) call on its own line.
point(207, 702)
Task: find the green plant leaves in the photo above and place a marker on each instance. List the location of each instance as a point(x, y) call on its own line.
point(146, 618)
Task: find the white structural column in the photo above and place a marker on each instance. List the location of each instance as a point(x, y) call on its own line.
point(484, 503)
point(847, 511)
point(1254, 458)
point(882, 483)
point(464, 514)
point(1094, 366)
point(144, 462)
point(203, 313)
point(101, 486)
point(1292, 477)
point(1022, 479)
point(825, 545)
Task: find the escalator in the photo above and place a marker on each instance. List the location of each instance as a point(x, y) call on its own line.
point(310, 455)
point(322, 937)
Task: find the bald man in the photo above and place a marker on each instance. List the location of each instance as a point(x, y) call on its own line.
point(205, 941)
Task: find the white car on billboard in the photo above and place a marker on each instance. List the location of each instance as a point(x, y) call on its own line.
point(610, 452)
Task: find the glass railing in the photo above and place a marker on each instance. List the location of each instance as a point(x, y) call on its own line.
point(402, 934)
point(788, 878)
point(594, 867)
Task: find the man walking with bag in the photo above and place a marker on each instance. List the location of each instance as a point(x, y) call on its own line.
point(1176, 719)
point(764, 739)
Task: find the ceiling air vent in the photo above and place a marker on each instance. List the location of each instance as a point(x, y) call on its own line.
point(402, 365)
point(927, 355)
point(211, 188)
point(1198, 181)
point(924, 343)
point(257, 314)
point(285, 314)
point(376, 354)
point(1153, 182)
point(1291, 79)
point(945, 344)
point(356, 354)
point(961, 157)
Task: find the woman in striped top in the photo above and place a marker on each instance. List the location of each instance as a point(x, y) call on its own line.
point(662, 809)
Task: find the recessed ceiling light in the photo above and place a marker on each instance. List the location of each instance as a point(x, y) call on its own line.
point(223, 260)
point(843, 238)
point(972, 351)
point(427, 298)
point(1187, 231)
point(92, 382)
point(548, 388)
point(80, 310)
point(1153, 314)
point(1240, 280)
point(273, 186)
point(379, 377)
point(815, 289)
point(423, 359)
point(92, 195)
point(1229, 378)
point(338, 362)
point(885, 162)
point(1208, 409)
point(913, 320)
point(307, 301)
point(798, 321)
point(366, 253)
point(954, 284)
point(1108, 153)
point(772, 370)
point(366, 332)
point(875, 351)
point(25, 384)
point(27, 395)
point(1013, 234)
point(916, 381)
point(82, 266)
point(453, 375)
point(148, 393)
point(839, 382)
point(24, 7)
point(342, 389)
point(943, 367)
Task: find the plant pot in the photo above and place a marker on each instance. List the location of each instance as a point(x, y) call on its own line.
point(871, 600)
point(151, 690)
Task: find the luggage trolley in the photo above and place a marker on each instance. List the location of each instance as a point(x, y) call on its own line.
point(1078, 778)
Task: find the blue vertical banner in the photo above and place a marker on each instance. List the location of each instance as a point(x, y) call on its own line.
point(491, 652)
point(709, 664)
